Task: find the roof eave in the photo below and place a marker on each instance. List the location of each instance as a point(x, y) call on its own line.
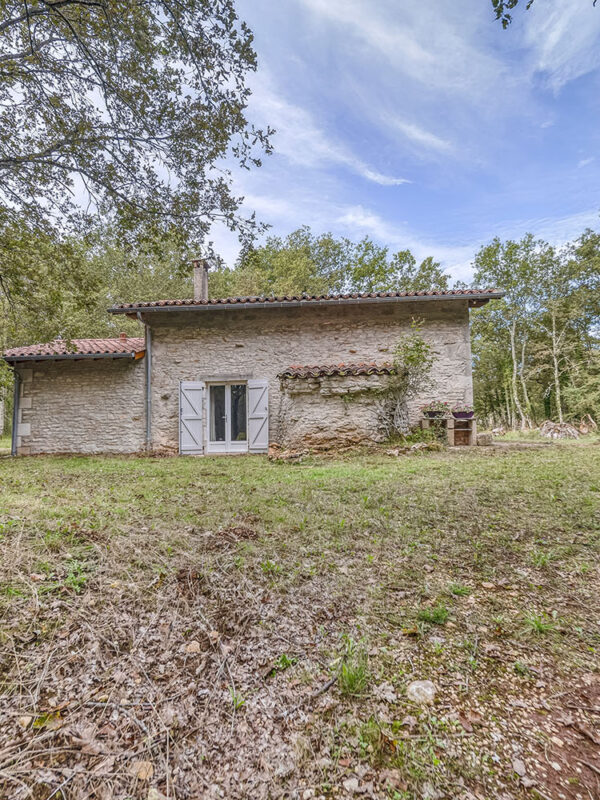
point(75, 356)
point(473, 300)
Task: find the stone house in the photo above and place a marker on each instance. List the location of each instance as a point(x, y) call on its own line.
point(237, 374)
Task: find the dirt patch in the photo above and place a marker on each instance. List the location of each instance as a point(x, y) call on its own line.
point(568, 763)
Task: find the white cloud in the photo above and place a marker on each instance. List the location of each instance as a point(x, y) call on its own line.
point(301, 141)
point(362, 220)
point(455, 259)
point(418, 135)
point(556, 230)
point(564, 39)
point(440, 48)
point(585, 162)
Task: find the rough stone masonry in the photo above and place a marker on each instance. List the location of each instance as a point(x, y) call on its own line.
point(97, 406)
point(246, 343)
point(81, 407)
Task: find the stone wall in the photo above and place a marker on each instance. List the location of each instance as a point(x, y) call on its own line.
point(332, 409)
point(87, 406)
point(239, 344)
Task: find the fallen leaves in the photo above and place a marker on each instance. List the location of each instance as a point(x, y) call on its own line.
point(142, 770)
point(386, 692)
point(51, 721)
point(587, 731)
point(84, 735)
point(519, 767)
point(148, 674)
point(469, 720)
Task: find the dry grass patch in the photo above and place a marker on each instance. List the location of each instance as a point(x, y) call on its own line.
point(240, 628)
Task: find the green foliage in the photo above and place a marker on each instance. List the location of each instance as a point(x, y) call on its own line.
point(62, 286)
point(534, 352)
point(270, 567)
point(522, 670)
point(353, 677)
point(459, 590)
point(413, 362)
point(502, 9)
point(413, 359)
point(77, 575)
point(415, 436)
point(582, 394)
point(539, 624)
point(137, 101)
point(541, 558)
point(434, 616)
point(437, 406)
point(237, 700)
point(373, 742)
point(40, 273)
point(284, 661)
point(305, 262)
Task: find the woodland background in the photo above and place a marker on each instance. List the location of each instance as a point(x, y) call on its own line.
point(536, 353)
point(120, 126)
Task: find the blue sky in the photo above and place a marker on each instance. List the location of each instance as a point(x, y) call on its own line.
point(425, 124)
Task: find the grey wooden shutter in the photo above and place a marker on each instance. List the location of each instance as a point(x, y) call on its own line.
point(191, 394)
point(258, 416)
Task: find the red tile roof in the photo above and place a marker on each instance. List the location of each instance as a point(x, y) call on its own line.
point(319, 371)
point(435, 294)
point(79, 347)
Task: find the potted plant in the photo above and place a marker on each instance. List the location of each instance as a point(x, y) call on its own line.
point(435, 409)
point(463, 411)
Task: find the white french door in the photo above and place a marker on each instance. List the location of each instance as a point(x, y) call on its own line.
point(227, 418)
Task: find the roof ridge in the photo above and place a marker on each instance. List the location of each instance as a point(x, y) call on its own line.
point(308, 298)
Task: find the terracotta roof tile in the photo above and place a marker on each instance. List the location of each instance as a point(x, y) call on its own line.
point(321, 370)
point(481, 294)
point(83, 347)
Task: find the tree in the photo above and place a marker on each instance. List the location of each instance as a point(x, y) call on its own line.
point(134, 107)
point(502, 9)
point(39, 271)
point(536, 352)
point(305, 262)
point(571, 309)
point(427, 275)
point(516, 268)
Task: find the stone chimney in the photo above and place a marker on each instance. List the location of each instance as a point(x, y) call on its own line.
point(201, 268)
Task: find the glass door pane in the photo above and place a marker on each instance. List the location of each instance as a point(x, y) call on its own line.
point(238, 412)
point(217, 413)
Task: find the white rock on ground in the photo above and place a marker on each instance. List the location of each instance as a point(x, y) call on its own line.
point(422, 692)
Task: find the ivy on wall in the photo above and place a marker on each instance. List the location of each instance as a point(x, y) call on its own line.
point(413, 362)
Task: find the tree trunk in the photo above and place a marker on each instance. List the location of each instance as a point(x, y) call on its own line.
point(514, 384)
point(556, 365)
point(523, 382)
point(401, 417)
point(509, 414)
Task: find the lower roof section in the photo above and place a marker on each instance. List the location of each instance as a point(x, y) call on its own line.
point(322, 371)
point(74, 349)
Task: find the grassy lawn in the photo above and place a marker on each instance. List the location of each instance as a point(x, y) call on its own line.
point(5, 443)
point(241, 628)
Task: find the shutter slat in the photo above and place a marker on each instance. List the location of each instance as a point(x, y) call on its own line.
point(258, 416)
point(191, 401)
